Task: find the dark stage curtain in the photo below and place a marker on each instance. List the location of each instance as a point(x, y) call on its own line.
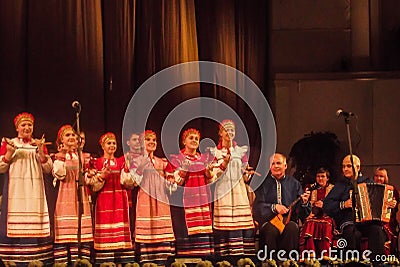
point(99, 52)
point(235, 33)
point(166, 35)
point(53, 55)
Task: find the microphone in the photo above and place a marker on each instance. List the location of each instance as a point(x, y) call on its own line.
point(341, 112)
point(76, 104)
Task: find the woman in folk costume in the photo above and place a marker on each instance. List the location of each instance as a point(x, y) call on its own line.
point(24, 221)
point(190, 204)
point(112, 233)
point(66, 170)
point(317, 231)
point(154, 235)
point(391, 227)
point(233, 221)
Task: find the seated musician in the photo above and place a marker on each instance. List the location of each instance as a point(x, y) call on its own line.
point(381, 177)
point(273, 199)
point(339, 204)
point(317, 232)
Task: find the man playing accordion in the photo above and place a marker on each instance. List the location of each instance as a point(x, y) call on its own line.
point(340, 204)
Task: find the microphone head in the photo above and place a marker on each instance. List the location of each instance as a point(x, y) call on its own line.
point(75, 104)
point(339, 112)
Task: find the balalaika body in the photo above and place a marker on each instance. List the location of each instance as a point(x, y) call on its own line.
point(280, 221)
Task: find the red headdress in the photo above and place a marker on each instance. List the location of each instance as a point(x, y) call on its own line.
point(24, 116)
point(149, 133)
point(190, 131)
point(106, 137)
point(145, 134)
point(226, 124)
point(62, 131)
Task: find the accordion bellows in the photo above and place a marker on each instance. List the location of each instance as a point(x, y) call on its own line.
point(373, 201)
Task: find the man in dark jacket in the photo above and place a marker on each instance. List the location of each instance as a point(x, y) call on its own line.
point(273, 199)
point(339, 205)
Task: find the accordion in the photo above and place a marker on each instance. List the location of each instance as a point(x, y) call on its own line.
point(372, 202)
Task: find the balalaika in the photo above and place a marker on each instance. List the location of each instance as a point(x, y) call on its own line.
point(280, 221)
point(373, 201)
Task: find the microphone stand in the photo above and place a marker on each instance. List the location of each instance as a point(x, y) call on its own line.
point(354, 179)
point(79, 182)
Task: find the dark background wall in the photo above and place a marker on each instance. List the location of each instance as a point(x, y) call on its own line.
point(308, 57)
point(327, 55)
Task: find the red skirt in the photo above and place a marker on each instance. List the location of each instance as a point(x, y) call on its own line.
point(317, 234)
